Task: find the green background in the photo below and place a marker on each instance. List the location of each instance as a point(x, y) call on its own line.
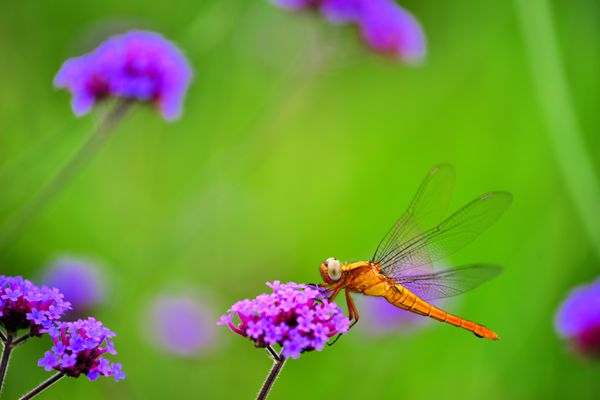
point(298, 144)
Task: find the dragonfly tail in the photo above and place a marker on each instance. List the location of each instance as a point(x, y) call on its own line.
point(405, 299)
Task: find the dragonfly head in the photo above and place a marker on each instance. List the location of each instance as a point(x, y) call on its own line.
point(331, 270)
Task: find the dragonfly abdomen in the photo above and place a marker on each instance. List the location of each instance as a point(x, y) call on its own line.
point(403, 298)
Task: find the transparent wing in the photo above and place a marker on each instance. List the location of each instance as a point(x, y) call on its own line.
point(451, 235)
point(426, 209)
point(450, 282)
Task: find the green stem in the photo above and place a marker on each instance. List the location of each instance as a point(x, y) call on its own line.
point(21, 339)
point(43, 386)
point(17, 223)
point(565, 133)
point(5, 357)
point(278, 363)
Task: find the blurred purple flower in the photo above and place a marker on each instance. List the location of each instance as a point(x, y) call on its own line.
point(182, 325)
point(381, 318)
point(344, 11)
point(578, 319)
point(336, 11)
point(385, 26)
point(78, 349)
point(24, 305)
point(79, 280)
point(297, 317)
point(297, 4)
point(390, 29)
point(137, 65)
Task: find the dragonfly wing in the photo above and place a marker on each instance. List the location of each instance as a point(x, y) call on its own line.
point(426, 209)
point(450, 282)
point(459, 229)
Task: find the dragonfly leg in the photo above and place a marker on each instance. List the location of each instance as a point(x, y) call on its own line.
point(337, 337)
point(335, 293)
point(352, 315)
point(352, 310)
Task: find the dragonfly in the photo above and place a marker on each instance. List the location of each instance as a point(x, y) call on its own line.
point(401, 269)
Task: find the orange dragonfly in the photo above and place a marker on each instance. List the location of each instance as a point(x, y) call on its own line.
point(401, 269)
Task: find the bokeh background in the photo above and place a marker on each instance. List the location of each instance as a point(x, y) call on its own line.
point(298, 144)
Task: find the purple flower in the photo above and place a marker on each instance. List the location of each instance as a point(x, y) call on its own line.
point(578, 319)
point(298, 4)
point(386, 27)
point(78, 349)
point(137, 65)
point(297, 317)
point(182, 325)
point(390, 29)
point(80, 282)
point(382, 318)
point(24, 305)
point(344, 11)
point(336, 11)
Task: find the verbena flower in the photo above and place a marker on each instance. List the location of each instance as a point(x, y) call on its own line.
point(78, 349)
point(24, 305)
point(297, 317)
point(137, 65)
point(578, 319)
point(385, 26)
point(181, 325)
point(80, 281)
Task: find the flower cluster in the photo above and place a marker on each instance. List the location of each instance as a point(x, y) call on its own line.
point(24, 305)
point(137, 65)
point(297, 317)
point(578, 319)
point(78, 349)
point(385, 26)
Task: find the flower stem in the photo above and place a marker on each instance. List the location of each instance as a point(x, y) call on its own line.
point(273, 353)
point(2, 337)
point(18, 222)
point(273, 374)
point(5, 357)
point(43, 386)
point(562, 125)
point(21, 339)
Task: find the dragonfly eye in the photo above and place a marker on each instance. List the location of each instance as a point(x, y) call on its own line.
point(334, 269)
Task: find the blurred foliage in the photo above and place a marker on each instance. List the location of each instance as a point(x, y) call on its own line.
point(296, 145)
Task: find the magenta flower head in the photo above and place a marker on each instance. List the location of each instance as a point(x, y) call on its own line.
point(297, 317)
point(24, 305)
point(181, 325)
point(78, 349)
point(80, 281)
point(578, 319)
point(137, 65)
